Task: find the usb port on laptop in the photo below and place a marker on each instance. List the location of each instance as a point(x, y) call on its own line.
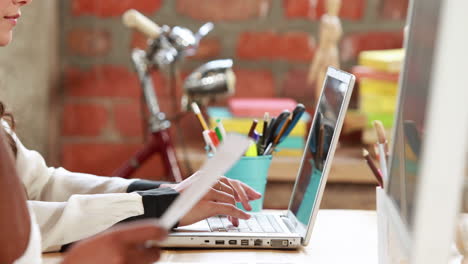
point(232, 242)
point(219, 242)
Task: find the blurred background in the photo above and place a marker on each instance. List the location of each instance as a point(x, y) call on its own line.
point(70, 83)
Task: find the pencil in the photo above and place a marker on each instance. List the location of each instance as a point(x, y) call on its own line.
point(197, 112)
point(372, 166)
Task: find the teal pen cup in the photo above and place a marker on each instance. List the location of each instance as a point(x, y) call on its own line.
point(252, 171)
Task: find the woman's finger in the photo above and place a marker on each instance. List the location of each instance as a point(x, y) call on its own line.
point(138, 233)
point(251, 193)
point(227, 181)
point(142, 255)
point(228, 210)
point(243, 198)
point(219, 196)
point(225, 186)
point(233, 220)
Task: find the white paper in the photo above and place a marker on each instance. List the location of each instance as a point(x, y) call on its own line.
point(227, 154)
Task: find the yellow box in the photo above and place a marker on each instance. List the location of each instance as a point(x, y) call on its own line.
point(377, 96)
point(242, 125)
point(383, 60)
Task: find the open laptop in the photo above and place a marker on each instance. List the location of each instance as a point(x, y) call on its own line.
point(293, 228)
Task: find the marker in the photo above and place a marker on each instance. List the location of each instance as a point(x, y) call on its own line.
point(221, 127)
point(214, 138)
point(197, 112)
point(252, 128)
point(219, 134)
point(252, 150)
point(207, 138)
point(372, 166)
point(382, 141)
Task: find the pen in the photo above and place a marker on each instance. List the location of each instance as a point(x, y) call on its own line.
point(197, 112)
point(266, 117)
point(264, 129)
point(382, 141)
point(283, 129)
point(275, 142)
point(372, 166)
point(252, 128)
point(296, 116)
point(266, 136)
point(268, 149)
point(276, 127)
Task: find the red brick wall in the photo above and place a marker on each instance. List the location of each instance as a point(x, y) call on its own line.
point(271, 41)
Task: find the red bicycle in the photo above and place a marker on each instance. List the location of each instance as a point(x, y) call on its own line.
point(166, 47)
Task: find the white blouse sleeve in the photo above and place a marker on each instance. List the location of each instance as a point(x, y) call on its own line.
point(33, 254)
point(57, 184)
point(72, 206)
point(82, 216)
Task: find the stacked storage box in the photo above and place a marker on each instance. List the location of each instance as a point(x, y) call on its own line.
point(378, 88)
point(293, 145)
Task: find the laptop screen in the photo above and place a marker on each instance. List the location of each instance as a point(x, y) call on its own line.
point(318, 147)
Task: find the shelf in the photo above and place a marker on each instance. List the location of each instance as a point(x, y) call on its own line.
point(348, 166)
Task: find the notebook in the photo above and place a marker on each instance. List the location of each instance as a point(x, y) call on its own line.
point(293, 228)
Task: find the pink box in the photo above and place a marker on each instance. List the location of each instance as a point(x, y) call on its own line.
point(256, 107)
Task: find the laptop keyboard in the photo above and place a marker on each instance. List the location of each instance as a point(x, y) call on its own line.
point(256, 224)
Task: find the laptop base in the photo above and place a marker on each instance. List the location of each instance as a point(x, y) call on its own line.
point(201, 235)
point(229, 241)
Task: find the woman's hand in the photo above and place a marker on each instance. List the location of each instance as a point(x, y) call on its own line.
point(124, 244)
point(220, 199)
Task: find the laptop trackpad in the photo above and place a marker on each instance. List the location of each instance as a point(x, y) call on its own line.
point(201, 226)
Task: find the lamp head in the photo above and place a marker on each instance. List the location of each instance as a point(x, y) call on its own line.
point(208, 82)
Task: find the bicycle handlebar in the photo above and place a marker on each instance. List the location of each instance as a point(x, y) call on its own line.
point(136, 20)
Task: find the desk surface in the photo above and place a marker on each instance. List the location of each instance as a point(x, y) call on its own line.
point(340, 236)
